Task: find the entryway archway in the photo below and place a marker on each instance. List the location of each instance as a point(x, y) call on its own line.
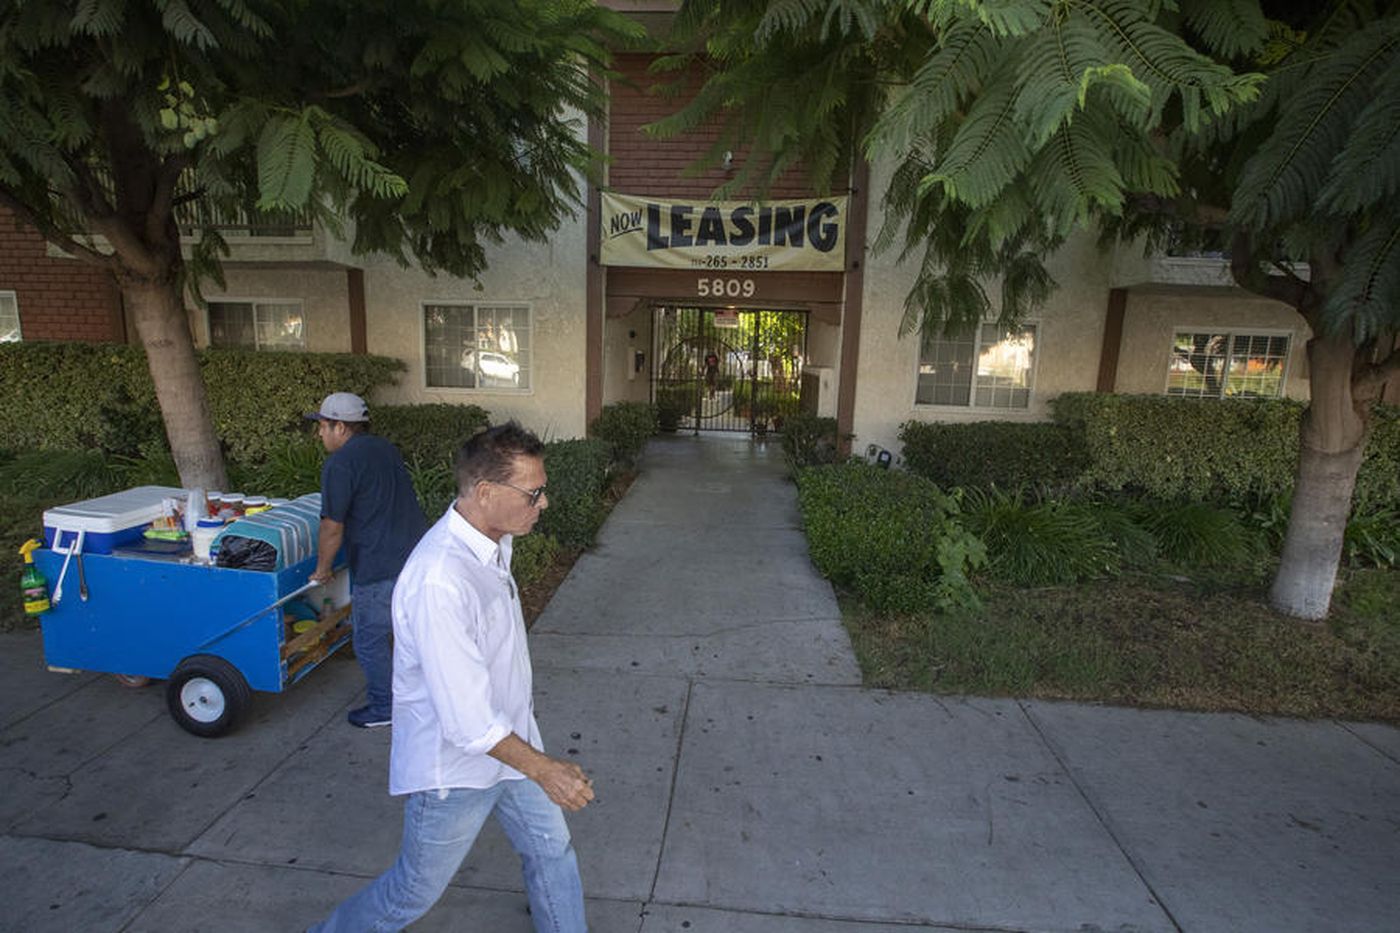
point(720, 369)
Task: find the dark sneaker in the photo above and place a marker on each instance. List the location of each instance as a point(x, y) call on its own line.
point(366, 718)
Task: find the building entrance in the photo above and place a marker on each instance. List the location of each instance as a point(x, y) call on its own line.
point(721, 369)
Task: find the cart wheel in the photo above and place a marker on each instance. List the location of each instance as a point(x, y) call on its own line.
point(207, 695)
point(134, 681)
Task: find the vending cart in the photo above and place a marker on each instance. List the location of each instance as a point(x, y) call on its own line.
point(245, 618)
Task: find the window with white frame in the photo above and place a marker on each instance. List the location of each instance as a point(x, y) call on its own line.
point(257, 325)
point(476, 346)
point(989, 366)
point(9, 318)
point(1220, 364)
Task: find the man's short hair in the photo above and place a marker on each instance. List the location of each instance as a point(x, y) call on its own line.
point(489, 456)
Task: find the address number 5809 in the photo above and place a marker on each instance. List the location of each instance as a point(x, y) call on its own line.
point(725, 288)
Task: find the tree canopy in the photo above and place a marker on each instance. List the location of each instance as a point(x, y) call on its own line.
point(422, 129)
point(1274, 125)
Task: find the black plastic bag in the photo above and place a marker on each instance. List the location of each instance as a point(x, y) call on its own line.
point(245, 554)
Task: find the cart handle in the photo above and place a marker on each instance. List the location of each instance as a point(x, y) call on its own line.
point(252, 618)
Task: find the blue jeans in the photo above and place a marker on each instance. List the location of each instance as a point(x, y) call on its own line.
point(439, 827)
point(372, 618)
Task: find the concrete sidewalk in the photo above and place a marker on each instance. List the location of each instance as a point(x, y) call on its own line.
point(696, 665)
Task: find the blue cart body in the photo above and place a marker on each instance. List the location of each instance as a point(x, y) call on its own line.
point(145, 614)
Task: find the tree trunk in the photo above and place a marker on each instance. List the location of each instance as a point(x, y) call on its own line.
point(1334, 432)
point(159, 314)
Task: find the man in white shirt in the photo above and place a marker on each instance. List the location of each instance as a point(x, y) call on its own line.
point(465, 742)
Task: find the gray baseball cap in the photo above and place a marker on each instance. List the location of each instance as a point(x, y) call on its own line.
point(341, 406)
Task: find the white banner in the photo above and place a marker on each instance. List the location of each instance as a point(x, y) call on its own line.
point(735, 236)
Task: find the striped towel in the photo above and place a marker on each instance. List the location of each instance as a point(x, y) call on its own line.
point(292, 529)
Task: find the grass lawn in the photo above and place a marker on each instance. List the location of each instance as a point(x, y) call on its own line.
point(1151, 640)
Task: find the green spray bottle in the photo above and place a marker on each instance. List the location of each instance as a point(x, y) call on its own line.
point(32, 582)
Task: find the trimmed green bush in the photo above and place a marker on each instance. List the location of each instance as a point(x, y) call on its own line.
point(1212, 449)
point(982, 454)
point(430, 433)
point(1173, 448)
point(810, 441)
point(626, 426)
point(1378, 480)
point(892, 537)
point(673, 403)
point(82, 396)
point(578, 476)
point(531, 556)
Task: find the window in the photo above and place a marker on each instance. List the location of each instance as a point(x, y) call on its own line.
point(1208, 364)
point(9, 318)
point(990, 368)
point(477, 346)
point(257, 325)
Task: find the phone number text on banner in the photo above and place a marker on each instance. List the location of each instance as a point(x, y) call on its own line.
point(738, 236)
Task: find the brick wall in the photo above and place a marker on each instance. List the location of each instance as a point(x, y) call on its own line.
point(646, 165)
point(59, 299)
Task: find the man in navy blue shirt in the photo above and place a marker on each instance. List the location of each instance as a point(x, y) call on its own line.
point(367, 504)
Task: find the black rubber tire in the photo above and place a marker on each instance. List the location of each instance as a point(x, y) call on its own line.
point(217, 698)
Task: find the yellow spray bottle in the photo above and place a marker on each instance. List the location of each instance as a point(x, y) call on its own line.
point(32, 582)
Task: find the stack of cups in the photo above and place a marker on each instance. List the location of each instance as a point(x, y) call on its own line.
point(195, 509)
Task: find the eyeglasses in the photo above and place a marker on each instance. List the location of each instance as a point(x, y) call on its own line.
point(534, 495)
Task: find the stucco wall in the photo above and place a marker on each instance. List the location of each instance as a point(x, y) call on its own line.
point(549, 277)
point(323, 293)
point(618, 345)
point(1066, 354)
point(1151, 319)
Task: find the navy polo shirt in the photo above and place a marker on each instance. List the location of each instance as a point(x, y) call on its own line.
point(366, 488)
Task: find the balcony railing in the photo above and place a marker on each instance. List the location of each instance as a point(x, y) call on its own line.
point(193, 216)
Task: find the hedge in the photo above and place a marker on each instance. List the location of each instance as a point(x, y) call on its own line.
point(82, 396)
point(892, 537)
point(626, 427)
point(430, 433)
point(577, 473)
point(982, 454)
point(1204, 449)
point(1163, 448)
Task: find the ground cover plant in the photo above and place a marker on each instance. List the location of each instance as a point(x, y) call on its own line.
point(1161, 640)
point(1114, 598)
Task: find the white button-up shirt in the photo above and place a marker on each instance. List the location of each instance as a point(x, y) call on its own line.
point(462, 677)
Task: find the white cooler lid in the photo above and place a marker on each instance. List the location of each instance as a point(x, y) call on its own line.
point(120, 510)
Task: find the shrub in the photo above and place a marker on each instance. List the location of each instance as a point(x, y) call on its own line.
point(531, 556)
point(625, 426)
point(435, 486)
point(809, 441)
point(673, 403)
point(1373, 539)
point(1199, 534)
point(982, 454)
point(292, 468)
point(429, 433)
point(1378, 480)
point(68, 475)
point(892, 537)
point(578, 476)
point(1039, 543)
point(82, 396)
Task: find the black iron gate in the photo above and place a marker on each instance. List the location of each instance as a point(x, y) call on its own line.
point(727, 370)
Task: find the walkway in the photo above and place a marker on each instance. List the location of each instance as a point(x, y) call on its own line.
point(695, 665)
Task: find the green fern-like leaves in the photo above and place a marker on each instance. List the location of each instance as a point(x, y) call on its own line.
point(1292, 166)
point(286, 162)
